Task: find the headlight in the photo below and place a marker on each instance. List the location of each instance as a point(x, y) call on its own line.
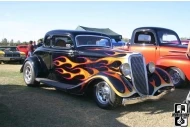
point(125, 69)
point(151, 67)
point(22, 54)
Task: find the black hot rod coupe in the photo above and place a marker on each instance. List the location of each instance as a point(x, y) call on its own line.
point(76, 61)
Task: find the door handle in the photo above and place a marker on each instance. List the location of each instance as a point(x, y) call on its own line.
point(71, 54)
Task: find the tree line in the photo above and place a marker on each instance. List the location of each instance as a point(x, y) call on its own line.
point(5, 42)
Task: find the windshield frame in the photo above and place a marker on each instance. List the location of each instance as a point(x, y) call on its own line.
point(93, 45)
point(169, 32)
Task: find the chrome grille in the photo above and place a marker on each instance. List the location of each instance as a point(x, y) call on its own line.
point(16, 55)
point(12, 55)
point(8, 55)
point(139, 74)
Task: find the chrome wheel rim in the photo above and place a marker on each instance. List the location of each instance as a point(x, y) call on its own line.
point(175, 76)
point(103, 92)
point(28, 74)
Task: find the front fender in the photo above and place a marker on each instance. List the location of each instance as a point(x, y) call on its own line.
point(39, 67)
point(119, 84)
point(160, 79)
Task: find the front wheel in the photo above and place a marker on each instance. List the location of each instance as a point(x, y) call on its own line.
point(29, 74)
point(105, 97)
point(177, 77)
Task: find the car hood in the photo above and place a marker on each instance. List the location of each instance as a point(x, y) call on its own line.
point(104, 52)
point(177, 45)
point(106, 56)
point(178, 49)
point(11, 52)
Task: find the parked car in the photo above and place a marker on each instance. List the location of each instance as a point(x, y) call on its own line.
point(11, 54)
point(117, 43)
point(185, 42)
point(75, 61)
point(156, 44)
point(23, 48)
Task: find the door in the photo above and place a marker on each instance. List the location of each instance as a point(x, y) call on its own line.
point(63, 61)
point(145, 42)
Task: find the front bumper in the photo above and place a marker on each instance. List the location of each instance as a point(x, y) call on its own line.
point(136, 97)
point(12, 58)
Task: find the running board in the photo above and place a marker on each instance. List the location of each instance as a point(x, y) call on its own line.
point(55, 84)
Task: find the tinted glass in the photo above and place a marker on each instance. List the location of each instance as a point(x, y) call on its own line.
point(93, 41)
point(62, 41)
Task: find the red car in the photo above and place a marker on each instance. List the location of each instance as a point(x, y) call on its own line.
point(23, 48)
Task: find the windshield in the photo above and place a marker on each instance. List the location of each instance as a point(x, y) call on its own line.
point(167, 37)
point(92, 40)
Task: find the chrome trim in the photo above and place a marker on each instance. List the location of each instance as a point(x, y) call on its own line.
point(146, 75)
point(144, 97)
point(93, 45)
point(188, 97)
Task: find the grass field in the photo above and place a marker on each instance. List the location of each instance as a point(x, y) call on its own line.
point(43, 106)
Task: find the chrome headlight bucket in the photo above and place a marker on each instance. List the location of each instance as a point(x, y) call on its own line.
point(22, 54)
point(125, 69)
point(2, 55)
point(151, 67)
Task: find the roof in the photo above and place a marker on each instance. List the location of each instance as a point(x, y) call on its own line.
point(154, 28)
point(106, 31)
point(74, 32)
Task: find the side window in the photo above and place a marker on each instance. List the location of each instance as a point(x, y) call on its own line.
point(166, 38)
point(47, 41)
point(144, 38)
point(62, 41)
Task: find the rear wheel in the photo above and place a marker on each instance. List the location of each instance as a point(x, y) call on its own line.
point(29, 74)
point(105, 97)
point(177, 77)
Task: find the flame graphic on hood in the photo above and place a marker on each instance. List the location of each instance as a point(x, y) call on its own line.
point(86, 67)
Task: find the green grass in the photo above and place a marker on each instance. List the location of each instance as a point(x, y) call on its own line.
point(36, 106)
point(10, 74)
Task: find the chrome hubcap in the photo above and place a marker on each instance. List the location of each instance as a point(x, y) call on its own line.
point(175, 76)
point(103, 92)
point(28, 74)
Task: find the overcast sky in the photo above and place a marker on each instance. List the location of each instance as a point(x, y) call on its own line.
point(31, 20)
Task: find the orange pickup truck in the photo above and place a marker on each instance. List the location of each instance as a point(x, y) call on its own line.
point(156, 44)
